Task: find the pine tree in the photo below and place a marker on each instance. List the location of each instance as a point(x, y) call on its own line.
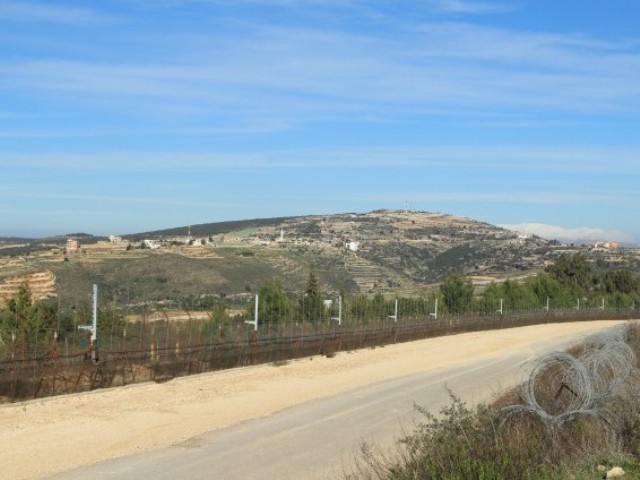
point(313, 303)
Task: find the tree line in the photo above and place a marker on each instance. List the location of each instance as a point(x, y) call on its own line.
point(570, 283)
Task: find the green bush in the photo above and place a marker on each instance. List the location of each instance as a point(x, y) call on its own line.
point(461, 443)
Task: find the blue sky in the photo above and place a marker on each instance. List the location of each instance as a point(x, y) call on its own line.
point(121, 116)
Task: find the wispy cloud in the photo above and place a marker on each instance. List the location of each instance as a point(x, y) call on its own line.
point(451, 6)
point(610, 161)
point(113, 200)
point(294, 75)
point(519, 198)
point(560, 51)
point(239, 129)
point(49, 13)
point(467, 6)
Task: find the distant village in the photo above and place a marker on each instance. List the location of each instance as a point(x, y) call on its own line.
point(118, 244)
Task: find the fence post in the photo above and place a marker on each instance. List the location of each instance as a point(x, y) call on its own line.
point(93, 328)
point(394, 317)
point(435, 312)
point(255, 320)
point(339, 317)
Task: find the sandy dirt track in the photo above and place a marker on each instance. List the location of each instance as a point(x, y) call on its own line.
point(42, 437)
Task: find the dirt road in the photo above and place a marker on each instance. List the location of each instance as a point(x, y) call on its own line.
point(39, 438)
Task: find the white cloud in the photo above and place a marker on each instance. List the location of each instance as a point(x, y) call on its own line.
point(582, 234)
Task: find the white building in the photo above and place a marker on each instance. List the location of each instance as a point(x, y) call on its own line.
point(352, 246)
point(151, 244)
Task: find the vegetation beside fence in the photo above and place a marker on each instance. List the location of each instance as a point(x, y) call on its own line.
point(43, 352)
point(160, 351)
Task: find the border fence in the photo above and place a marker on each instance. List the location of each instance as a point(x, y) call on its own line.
point(160, 351)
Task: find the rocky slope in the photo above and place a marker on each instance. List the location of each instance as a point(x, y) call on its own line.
point(383, 251)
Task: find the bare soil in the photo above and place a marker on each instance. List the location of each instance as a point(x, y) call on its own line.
point(42, 437)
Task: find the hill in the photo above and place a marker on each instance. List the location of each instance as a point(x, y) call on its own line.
point(383, 251)
point(207, 229)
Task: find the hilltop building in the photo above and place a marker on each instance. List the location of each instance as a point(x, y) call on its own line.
point(605, 246)
point(72, 245)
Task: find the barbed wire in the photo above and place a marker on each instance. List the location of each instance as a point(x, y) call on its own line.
point(562, 387)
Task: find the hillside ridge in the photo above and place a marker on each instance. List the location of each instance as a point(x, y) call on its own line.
point(383, 251)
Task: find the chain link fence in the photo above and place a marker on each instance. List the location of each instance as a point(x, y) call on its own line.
point(159, 351)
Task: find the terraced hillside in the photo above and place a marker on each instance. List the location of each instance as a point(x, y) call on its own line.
point(42, 285)
point(382, 251)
